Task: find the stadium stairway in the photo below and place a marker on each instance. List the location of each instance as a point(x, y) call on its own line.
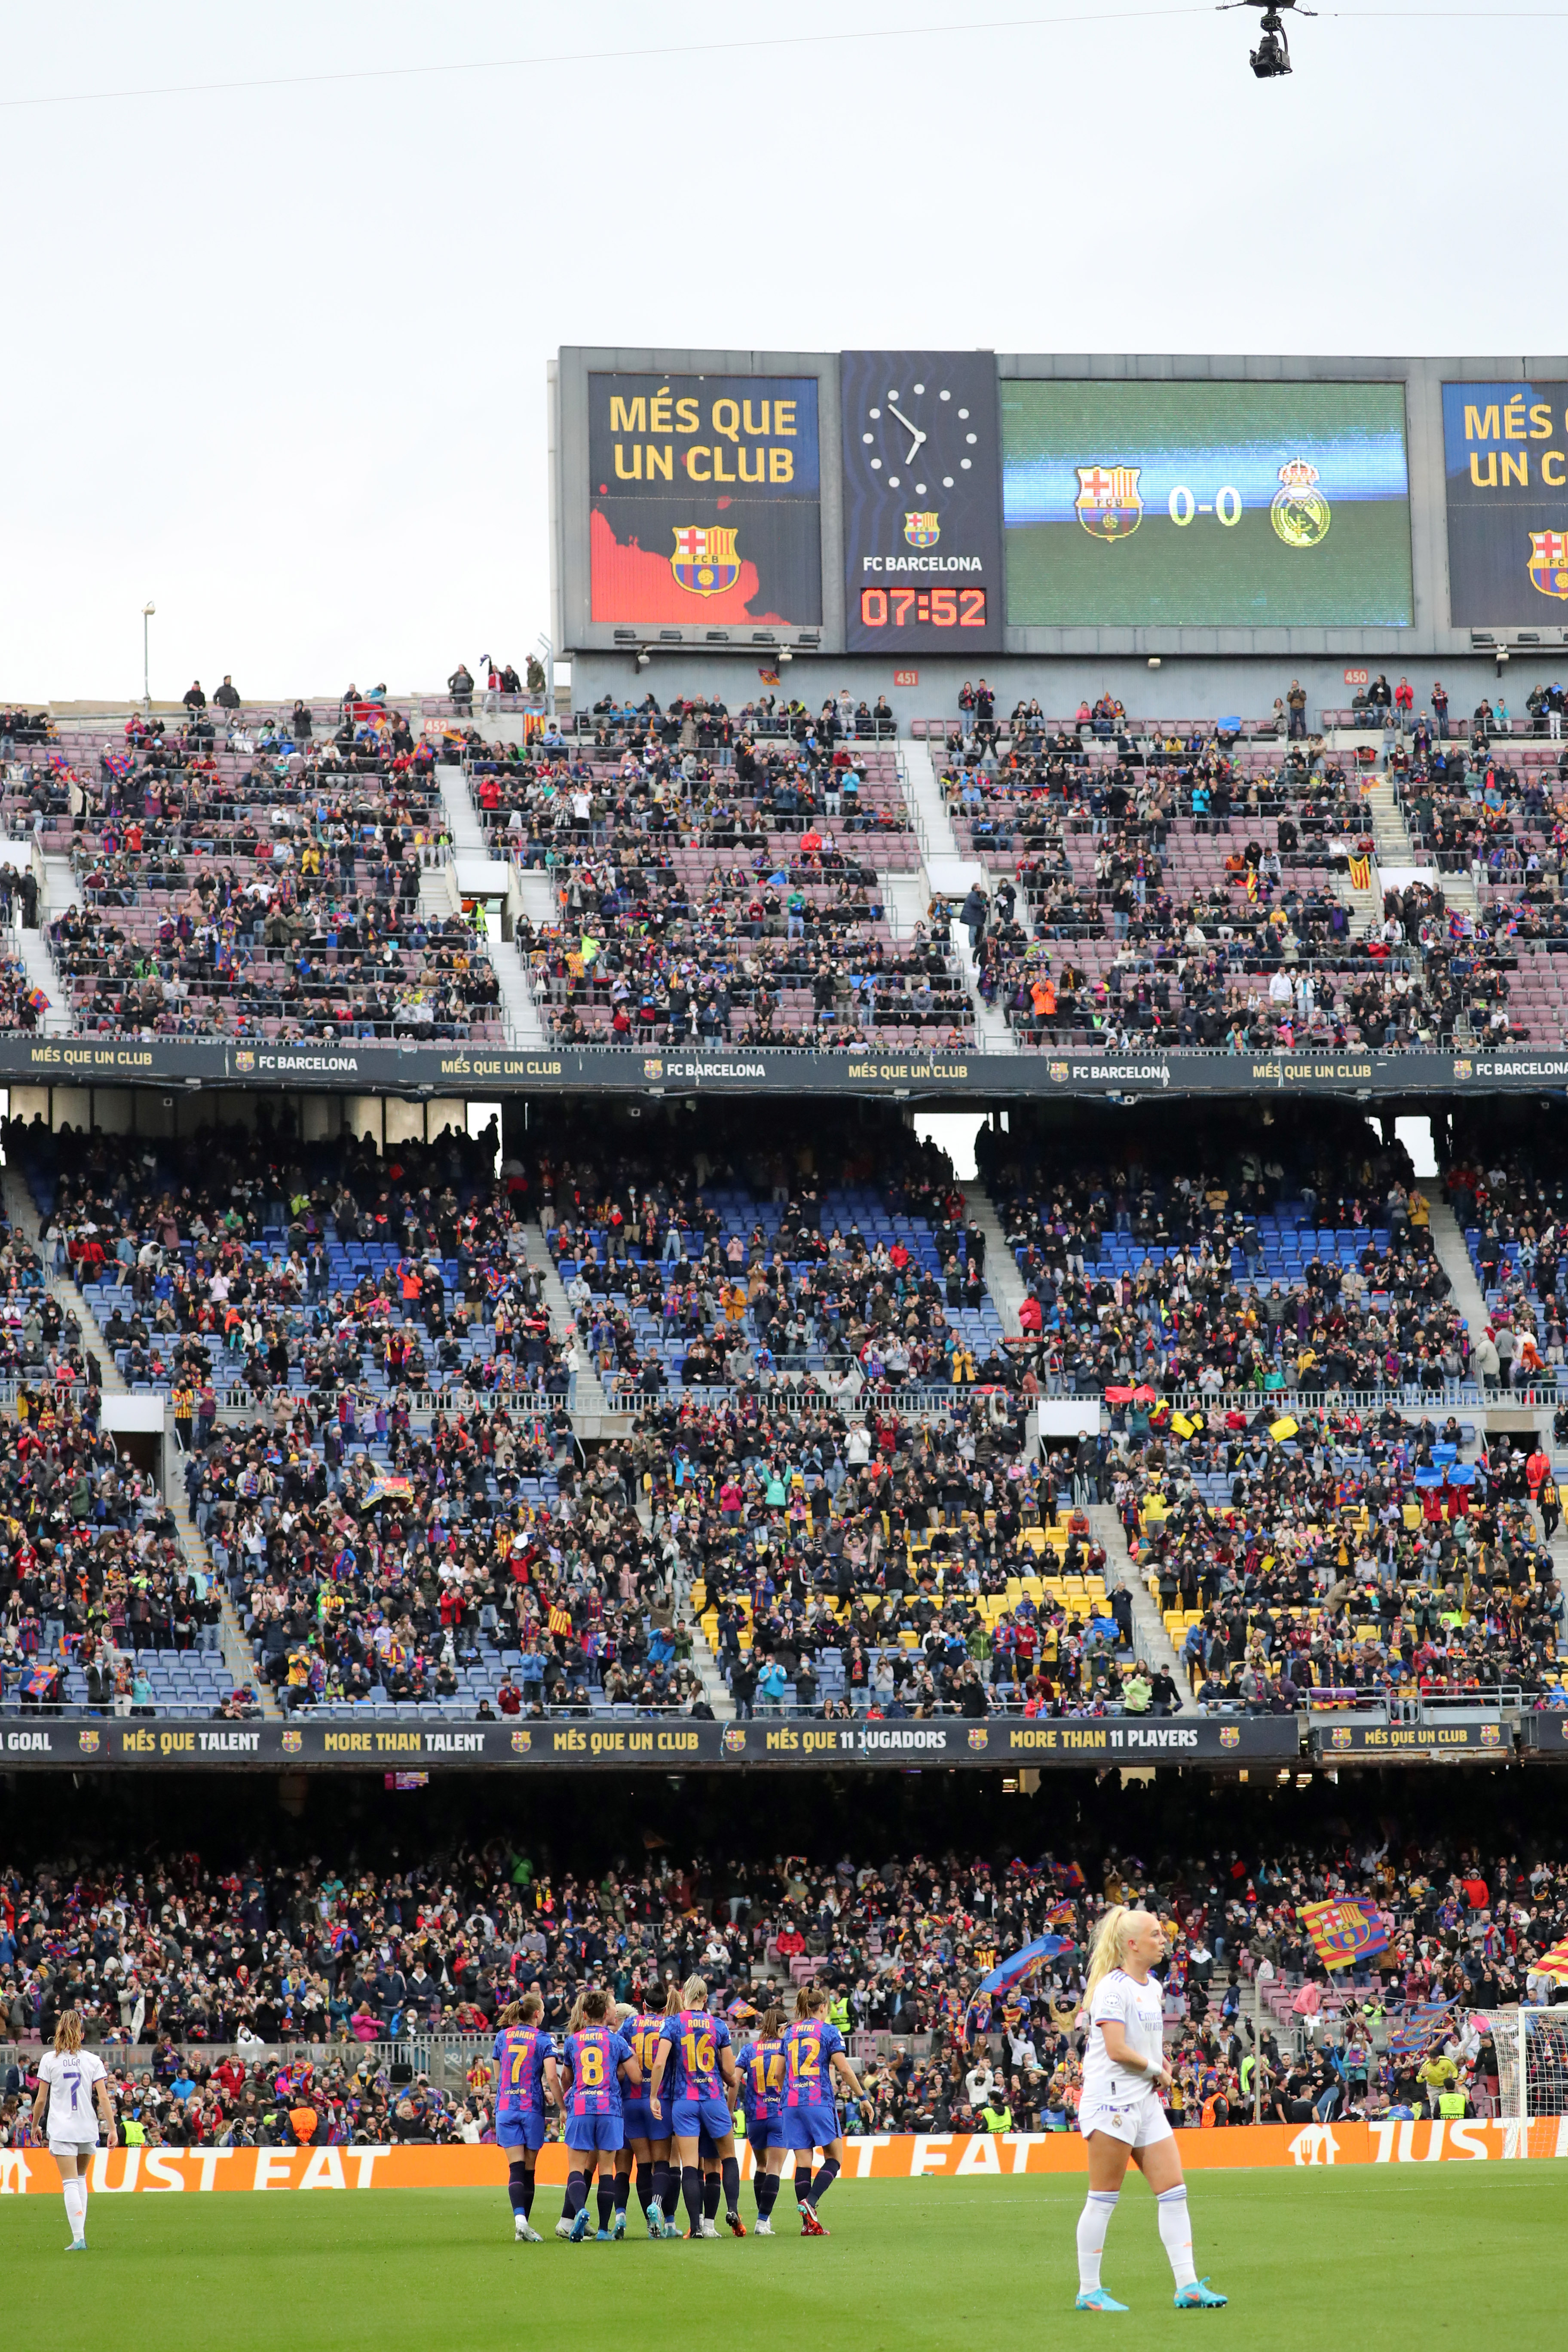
point(524, 1028)
point(1153, 1644)
point(945, 874)
point(592, 1415)
point(1393, 844)
point(22, 1212)
point(237, 1652)
point(1002, 1279)
point(1455, 1260)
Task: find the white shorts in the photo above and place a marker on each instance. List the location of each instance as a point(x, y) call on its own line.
point(82, 2147)
point(1136, 2122)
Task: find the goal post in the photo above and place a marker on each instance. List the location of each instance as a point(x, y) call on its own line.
point(1531, 2047)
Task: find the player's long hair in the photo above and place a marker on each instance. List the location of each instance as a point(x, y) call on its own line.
point(694, 1994)
point(672, 1998)
point(67, 2032)
point(1109, 1948)
point(771, 2023)
point(521, 2012)
point(809, 1999)
point(575, 2019)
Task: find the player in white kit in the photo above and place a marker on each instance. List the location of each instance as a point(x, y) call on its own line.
point(72, 2083)
point(1121, 2115)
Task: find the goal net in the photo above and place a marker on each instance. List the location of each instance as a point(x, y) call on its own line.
point(1531, 2047)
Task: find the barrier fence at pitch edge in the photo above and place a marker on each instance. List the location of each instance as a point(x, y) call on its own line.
point(355, 1064)
point(880, 2156)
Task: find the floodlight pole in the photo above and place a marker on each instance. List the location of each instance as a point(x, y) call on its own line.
point(147, 612)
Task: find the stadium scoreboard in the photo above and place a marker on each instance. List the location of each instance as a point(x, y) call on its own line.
point(971, 502)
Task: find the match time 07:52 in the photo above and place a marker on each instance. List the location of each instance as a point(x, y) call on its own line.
point(938, 608)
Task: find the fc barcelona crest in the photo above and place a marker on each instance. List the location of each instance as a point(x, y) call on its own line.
point(293, 1743)
point(1229, 1735)
point(705, 559)
point(734, 1741)
point(88, 1742)
point(979, 1738)
point(1549, 562)
point(522, 1741)
point(1108, 503)
point(922, 530)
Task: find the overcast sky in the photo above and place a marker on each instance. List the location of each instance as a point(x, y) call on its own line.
point(275, 357)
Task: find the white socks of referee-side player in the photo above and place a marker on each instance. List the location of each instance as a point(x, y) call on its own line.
point(1092, 2225)
point(1176, 2234)
point(75, 2195)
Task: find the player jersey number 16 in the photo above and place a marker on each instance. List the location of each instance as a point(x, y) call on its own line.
point(700, 2053)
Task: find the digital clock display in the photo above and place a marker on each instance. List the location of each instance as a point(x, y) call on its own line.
point(926, 608)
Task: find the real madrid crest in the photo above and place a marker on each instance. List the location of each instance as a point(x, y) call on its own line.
point(1300, 513)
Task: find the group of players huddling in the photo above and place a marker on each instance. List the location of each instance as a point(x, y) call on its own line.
point(659, 2092)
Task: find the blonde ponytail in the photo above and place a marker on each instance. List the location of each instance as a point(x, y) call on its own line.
point(1106, 1950)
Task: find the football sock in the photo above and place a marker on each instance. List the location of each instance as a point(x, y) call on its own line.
point(576, 2194)
point(516, 2188)
point(647, 2176)
point(802, 2181)
point(826, 2174)
point(1092, 2225)
point(606, 2201)
point(1176, 2234)
point(75, 2195)
point(691, 2190)
point(667, 2186)
point(732, 2172)
point(530, 2181)
point(767, 2186)
point(709, 2195)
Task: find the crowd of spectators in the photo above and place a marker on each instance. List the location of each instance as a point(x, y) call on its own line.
point(266, 2002)
point(1304, 1263)
point(243, 879)
point(1194, 883)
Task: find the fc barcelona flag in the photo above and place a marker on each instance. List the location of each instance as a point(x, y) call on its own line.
point(1414, 2030)
point(1016, 1969)
point(1344, 1932)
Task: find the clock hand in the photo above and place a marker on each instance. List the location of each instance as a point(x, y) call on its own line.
point(910, 426)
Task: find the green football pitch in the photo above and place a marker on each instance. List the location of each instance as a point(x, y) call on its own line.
point(1407, 2256)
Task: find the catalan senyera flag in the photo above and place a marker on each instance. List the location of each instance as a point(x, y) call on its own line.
point(1553, 1963)
point(1344, 1932)
point(1360, 873)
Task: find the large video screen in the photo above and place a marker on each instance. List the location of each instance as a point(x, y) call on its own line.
point(704, 501)
point(1505, 452)
point(1205, 505)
